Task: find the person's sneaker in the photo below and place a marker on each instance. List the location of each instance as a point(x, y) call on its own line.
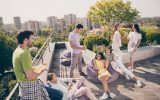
point(112, 95)
point(127, 77)
point(104, 96)
point(83, 74)
point(139, 83)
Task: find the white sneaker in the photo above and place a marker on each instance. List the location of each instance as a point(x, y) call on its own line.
point(139, 83)
point(127, 77)
point(104, 96)
point(112, 95)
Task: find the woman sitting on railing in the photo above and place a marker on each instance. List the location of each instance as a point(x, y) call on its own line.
point(72, 91)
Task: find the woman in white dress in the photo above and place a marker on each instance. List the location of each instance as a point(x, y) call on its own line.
point(134, 41)
point(118, 58)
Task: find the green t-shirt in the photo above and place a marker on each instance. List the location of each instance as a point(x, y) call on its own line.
point(22, 61)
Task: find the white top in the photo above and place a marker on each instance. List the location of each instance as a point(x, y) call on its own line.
point(75, 38)
point(133, 40)
point(60, 85)
point(116, 41)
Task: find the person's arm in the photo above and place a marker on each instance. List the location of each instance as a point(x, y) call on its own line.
point(139, 41)
point(106, 64)
point(95, 65)
point(39, 69)
point(32, 74)
point(27, 66)
point(76, 47)
point(72, 44)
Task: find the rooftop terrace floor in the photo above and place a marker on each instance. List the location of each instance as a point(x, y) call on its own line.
point(148, 70)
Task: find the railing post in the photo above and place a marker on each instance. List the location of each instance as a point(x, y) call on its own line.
point(49, 47)
point(42, 58)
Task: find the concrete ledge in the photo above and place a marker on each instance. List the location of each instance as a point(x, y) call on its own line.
point(142, 53)
point(47, 58)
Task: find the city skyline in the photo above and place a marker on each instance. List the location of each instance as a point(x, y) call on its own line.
point(31, 10)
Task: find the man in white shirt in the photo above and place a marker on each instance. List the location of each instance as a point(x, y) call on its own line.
point(76, 53)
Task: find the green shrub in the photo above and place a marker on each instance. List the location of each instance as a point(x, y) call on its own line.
point(123, 31)
point(92, 40)
point(7, 46)
point(12, 83)
point(81, 40)
point(100, 48)
point(151, 34)
point(39, 42)
point(33, 51)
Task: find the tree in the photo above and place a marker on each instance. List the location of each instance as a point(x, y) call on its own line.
point(108, 12)
point(71, 27)
point(7, 46)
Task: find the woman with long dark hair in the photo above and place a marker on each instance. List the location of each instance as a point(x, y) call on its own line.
point(101, 66)
point(118, 58)
point(134, 41)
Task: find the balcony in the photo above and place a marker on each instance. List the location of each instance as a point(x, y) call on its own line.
point(147, 68)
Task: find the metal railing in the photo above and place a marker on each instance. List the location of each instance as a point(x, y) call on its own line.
point(35, 61)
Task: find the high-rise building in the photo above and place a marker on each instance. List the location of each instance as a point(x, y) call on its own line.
point(17, 23)
point(9, 28)
point(60, 25)
point(52, 22)
point(1, 24)
point(85, 22)
point(33, 26)
point(70, 19)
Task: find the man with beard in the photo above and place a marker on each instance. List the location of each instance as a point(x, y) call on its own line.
point(30, 88)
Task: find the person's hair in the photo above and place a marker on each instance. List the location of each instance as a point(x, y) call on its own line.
point(101, 54)
point(49, 77)
point(116, 26)
point(136, 26)
point(110, 48)
point(79, 26)
point(23, 35)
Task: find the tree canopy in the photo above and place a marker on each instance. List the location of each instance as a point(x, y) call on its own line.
point(106, 12)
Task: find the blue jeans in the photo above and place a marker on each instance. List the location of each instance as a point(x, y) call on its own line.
point(54, 94)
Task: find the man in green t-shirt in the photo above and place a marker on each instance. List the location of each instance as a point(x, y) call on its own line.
point(29, 86)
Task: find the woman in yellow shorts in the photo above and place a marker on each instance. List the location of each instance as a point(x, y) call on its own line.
point(101, 66)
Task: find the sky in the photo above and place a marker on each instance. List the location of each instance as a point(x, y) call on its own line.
point(41, 9)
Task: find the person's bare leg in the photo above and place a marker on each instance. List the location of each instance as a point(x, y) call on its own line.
point(131, 59)
point(104, 83)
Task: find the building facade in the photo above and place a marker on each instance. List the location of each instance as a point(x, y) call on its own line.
point(17, 23)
